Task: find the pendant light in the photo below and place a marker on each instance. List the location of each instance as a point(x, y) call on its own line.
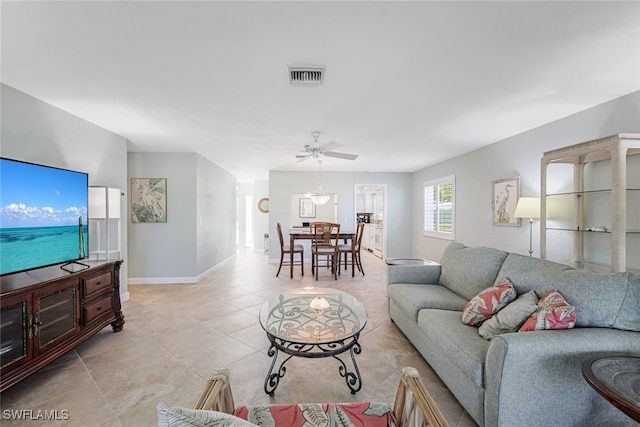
point(318, 197)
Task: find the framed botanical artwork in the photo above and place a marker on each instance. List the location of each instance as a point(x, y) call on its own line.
point(148, 199)
point(307, 208)
point(506, 193)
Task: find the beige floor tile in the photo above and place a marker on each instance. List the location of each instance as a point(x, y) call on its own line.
point(176, 335)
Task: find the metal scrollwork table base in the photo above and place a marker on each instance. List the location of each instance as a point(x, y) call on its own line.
point(294, 327)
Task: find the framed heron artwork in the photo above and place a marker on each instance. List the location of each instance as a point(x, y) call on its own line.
point(506, 193)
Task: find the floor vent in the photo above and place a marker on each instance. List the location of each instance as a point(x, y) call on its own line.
point(306, 75)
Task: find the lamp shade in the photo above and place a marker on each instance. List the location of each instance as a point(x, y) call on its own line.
point(528, 207)
point(104, 203)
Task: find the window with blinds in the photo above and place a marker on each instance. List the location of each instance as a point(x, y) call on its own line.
point(439, 208)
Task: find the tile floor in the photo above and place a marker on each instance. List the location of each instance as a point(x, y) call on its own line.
point(175, 335)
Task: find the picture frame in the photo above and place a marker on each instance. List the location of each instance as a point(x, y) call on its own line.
point(505, 195)
point(148, 200)
point(307, 208)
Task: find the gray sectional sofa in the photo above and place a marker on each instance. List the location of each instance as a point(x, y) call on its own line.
point(520, 378)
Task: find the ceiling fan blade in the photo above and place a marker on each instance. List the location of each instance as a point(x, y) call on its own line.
point(340, 155)
point(331, 145)
point(302, 158)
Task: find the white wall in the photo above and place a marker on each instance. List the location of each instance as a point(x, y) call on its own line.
point(37, 132)
point(260, 219)
point(518, 155)
point(216, 215)
point(398, 198)
point(200, 228)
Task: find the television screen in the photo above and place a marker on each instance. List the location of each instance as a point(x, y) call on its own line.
point(43, 216)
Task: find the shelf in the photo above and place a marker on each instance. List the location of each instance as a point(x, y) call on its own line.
point(578, 193)
point(589, 231)
point(589, 205)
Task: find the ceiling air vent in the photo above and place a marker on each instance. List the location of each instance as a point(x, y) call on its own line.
point(306, 75)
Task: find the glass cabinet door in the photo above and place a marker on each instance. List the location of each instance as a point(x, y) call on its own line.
point(14, 332)
point(57, 314)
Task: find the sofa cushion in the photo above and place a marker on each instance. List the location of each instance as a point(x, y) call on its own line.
point(511, 317)
point(464, 348)
point(553, 313)
point(411, 298)
point(488, 302)
point(467, 271)
point(601, 300)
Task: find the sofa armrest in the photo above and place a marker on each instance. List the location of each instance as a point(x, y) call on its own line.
point(419, 274)
point(537, 377)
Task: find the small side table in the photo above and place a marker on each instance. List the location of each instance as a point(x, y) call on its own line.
point(617, 379)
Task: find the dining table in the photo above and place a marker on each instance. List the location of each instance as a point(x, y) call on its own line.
point(304, 233)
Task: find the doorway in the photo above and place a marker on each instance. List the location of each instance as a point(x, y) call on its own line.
point(370, 208)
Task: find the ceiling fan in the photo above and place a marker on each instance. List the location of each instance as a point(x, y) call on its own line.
point(314, 150)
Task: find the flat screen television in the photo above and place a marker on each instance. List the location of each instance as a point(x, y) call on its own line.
point(43, 216)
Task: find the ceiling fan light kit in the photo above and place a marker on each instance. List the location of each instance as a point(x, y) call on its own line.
point(318, 197)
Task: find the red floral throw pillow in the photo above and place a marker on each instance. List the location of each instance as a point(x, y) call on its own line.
point(357, 414)
point(553, 313)
point(488, 302)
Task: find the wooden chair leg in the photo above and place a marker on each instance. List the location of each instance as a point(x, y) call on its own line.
point(281, 259)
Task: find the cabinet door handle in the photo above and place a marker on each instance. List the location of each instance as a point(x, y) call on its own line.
point(36, 324)
point(30, 326)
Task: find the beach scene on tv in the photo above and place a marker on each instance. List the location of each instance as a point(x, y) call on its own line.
point(43, 216)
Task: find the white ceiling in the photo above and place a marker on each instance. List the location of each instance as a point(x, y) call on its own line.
point(407, 84)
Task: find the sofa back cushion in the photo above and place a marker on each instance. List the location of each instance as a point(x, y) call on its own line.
point(601, 300)
point(467, 271)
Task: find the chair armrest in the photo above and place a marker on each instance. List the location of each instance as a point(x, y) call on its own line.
point(217, 395)
point(414, 405)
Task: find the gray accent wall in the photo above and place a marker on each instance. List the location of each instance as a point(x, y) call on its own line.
point(37, 132)
point(200, 229)
point(516, 156)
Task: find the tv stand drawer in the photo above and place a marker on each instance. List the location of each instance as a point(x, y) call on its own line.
point(96, 284)
point(98, 308)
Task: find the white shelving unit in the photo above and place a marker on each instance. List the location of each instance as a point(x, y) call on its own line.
point(104, 223)
point(599, 213)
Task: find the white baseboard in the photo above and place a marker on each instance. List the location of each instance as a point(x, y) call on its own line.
point(175, 280)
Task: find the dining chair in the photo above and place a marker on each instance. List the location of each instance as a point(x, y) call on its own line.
point(287, 249)
point(346, 248)
point(324, 243)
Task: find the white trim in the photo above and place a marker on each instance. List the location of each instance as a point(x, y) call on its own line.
point(125, 297)
point(175, 280)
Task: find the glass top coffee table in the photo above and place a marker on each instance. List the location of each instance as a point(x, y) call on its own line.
point(313, 323)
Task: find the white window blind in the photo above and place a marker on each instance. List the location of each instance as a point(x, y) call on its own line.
point(439, 208)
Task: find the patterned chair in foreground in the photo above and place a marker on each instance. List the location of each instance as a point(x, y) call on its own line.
point(414, 407)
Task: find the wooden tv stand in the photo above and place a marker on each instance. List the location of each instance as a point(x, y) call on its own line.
point(48, 311)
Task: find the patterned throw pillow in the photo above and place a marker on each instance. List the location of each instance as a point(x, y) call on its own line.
point(553, 313)
point(511, 317)
point(182, 417)
point(369, 414)
point(488, 302)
